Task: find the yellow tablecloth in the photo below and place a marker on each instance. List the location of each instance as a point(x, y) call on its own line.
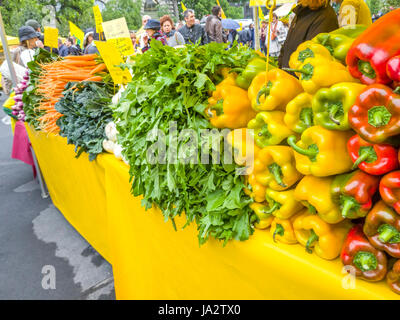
point(152, 261)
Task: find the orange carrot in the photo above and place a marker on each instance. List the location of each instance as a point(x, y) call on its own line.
point(85, 57)
point(99, 68)
point(95, 79)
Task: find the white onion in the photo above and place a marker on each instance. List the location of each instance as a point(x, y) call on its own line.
point(111, 131)
point(108, 146)
point(118, 151)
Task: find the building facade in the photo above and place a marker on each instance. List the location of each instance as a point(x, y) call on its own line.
point(157, 8)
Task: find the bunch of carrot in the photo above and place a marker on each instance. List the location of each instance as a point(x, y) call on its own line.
point(55, 76)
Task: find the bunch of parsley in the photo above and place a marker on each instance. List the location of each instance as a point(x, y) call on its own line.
point(85, 107)
point(173, 85)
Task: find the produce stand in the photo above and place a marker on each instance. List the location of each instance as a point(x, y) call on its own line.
point(152, 261)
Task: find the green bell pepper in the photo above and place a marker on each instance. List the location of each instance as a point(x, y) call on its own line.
point(253, 68)
point(339, 41)
point(331, 105)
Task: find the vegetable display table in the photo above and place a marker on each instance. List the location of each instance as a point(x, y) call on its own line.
point(152, 261)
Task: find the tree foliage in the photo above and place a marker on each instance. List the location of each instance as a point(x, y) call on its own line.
point(17, 12)
point(203, 7)
point(130, 9)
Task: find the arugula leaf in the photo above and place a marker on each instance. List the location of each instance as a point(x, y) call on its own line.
point(172, 85)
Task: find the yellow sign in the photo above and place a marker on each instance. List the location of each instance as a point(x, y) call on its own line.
point(264, 3)
point(183, 7)
point(98, 19)
point(51, 37)
point(261, 13)
point(117, 30)
point(223, 16)
point(77, 33)
point(113, 59)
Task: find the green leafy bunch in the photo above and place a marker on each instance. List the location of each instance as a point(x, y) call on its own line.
point(173, 85)
point(86, 112)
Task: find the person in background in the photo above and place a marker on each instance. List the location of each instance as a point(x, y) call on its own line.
point(62, 48)
point(142, 32)
point(22, 54)
point(250, 36)
point(232, 36)
point(152, 28)
point(73, 48)
point(174, 38)
point(353, 12)
point(277, 36)
point(134, 40)
point(243, 37)
point(263, 35)
point(180, 25)
point(197, 21)
point(36, 26)
point(192, 32)
point(213, 26)
point(88, 43)
point(312, 17)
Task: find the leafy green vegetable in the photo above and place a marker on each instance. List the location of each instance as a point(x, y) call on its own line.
point(172, 85)
point(31, 98)
point(86, 113)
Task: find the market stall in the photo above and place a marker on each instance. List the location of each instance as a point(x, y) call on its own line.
point(296, 196)
point(146, 252)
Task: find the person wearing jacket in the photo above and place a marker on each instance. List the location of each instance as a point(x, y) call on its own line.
point(277, 36)
point(214, 26)
point(88, 43)
point(311, 18)
point(174, 38)
point(152, 28)
point(191, 31)
point(22, 54)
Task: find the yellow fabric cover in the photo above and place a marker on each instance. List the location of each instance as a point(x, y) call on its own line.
point(76, 186)
point(152, 261)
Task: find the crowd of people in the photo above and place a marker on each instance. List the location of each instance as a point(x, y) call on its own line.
point(307, 19)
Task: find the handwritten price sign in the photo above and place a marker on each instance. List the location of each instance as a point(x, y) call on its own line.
point(112, 58)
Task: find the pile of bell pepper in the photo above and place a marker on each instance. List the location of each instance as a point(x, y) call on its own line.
point(325, 135)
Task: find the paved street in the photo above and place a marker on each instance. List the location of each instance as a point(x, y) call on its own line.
point(37, 242)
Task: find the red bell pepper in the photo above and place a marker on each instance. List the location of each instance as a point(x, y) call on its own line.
point(375, 116)
point(370, 264)
point(353, 193)
point(393, 69)
point(370, 52)
point(389, 188)
point(393, 278)
point(375, 159)
point(382, 227)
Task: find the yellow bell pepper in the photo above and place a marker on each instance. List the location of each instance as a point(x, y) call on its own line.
point(245, 150)
point(229, 106)
point(268, 128)
point(308, 49)
point(317, 73)
point(257, 192)
point(322, 152)
point(282, 229)
point(280, 89)
point(326, 239)
point(315, 194)
point(282, 204)
point(274, 167)
point(299, 113)
point(264, 219)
